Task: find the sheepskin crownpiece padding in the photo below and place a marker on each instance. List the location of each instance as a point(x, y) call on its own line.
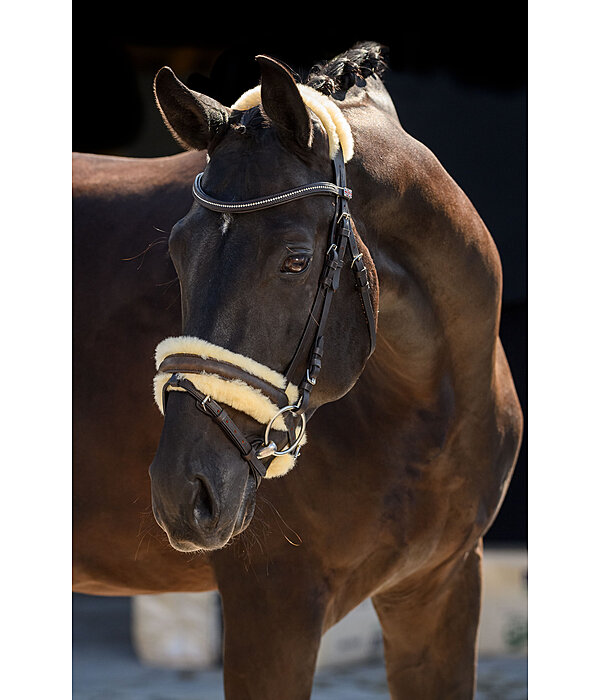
point(330, 115)
point(232, 392)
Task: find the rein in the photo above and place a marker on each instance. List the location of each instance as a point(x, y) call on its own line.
point(300, 377)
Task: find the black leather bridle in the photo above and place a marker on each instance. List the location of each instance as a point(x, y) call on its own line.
point(341, 238)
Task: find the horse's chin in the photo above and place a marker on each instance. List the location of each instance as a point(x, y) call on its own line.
point(184, 545)
point(207, 542)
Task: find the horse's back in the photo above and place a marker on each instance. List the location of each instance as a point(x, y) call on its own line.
point(106, 175)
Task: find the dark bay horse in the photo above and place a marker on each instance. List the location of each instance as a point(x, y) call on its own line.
point(409, 452)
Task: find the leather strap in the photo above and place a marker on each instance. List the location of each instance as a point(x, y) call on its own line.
point(362, 282)
point(342, 235)
point(273, 200)
point(195, 364)
point(222, 419)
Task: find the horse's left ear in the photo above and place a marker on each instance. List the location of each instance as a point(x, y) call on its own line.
point(282, 102)
point(193, 119)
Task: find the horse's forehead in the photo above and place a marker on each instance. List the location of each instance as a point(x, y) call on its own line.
point(236, 175)
point(214, 232)
point(258, 152)
point(260, 157)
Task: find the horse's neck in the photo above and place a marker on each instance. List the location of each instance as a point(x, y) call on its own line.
point(410, 346)
point(439, 271)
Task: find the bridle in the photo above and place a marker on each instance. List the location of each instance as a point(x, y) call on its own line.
point(342, 237)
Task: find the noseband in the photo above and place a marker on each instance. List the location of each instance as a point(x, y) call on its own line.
point(301, 375)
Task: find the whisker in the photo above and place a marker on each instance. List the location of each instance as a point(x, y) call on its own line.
point(291, 529)
point(162, 239)
point(168, 283)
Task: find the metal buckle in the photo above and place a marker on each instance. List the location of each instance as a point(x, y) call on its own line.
point(309, 378)
point(266, 450)
point(355, 258)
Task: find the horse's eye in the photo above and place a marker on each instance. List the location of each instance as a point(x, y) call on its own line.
point(295, 263)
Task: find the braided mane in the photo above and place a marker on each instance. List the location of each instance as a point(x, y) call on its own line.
point(351, 68)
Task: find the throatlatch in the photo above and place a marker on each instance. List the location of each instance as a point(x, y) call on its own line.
point(213, 375)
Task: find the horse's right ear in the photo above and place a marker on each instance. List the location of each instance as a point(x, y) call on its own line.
point(282, 101)
point(193, 119)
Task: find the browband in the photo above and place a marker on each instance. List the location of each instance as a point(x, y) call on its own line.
point(315, 188)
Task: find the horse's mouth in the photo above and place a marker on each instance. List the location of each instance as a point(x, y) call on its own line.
point(187, 540)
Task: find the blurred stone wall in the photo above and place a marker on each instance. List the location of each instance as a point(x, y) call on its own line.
point(183, 631)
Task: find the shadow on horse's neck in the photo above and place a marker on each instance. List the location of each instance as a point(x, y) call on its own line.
point(439, 279)
point(410, 340)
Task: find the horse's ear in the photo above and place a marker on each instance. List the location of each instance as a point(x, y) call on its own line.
point(193, 119)
point(282, 102)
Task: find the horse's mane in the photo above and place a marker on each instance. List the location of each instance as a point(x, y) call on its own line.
point(348, 69)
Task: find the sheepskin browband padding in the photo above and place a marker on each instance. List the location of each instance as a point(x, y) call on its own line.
point(233, 392)
point(330, 115)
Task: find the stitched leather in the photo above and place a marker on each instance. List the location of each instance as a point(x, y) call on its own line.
point(223, 420)
point(342, 235)
point(315, 188)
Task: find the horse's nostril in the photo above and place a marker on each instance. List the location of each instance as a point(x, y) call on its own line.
point(204, 505)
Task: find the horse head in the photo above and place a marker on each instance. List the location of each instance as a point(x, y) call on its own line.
point(257, 283)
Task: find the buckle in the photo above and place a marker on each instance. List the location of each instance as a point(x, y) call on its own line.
point(356, 258)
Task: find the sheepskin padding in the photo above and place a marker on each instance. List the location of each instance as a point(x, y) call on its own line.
point(335, 124)
point(190, 345)
point(232, 392)
point(238, 395)
point(281, 465)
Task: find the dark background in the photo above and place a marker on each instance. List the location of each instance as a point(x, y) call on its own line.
point(458, 79)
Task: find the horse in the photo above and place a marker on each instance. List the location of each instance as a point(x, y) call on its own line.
point(332, 273)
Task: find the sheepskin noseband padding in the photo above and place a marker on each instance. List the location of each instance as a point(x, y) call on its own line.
point(335, 124)
point(232, 392)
